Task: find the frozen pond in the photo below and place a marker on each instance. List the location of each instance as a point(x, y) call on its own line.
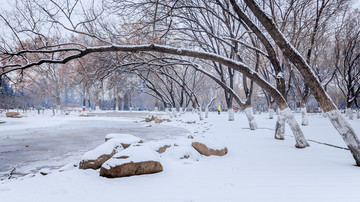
point(29, 147)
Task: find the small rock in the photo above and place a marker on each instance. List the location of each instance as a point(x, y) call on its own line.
point(190, 122)
point(45, 171)
point(11, 114)
point(2, 122)
point(158, 120)
point(163, 149)
point(209, 146)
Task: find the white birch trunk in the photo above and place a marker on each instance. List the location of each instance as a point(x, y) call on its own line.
point(181, 110)
point(349, 113)
point(207, 112)
point(271, 113)
point(280, 126)
point(117, 104)
point(97, 108)
point(232, 115)
point(304, 117)
point(130, 109)
point(173, 110)
point(300, 139)
point(250, 116)
point(156, 109)
point(201, 114)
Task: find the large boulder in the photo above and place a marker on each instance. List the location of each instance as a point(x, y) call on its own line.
point(209, 146)
point(95, 158)
point(125, 139)
point(12, 114)
point(135, 160)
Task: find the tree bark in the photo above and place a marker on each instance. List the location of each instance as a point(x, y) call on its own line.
point(304, 117)
point(250, 116)
point(207, 112)
point(232, 115)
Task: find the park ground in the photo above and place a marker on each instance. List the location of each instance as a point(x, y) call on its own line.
point(256, 168)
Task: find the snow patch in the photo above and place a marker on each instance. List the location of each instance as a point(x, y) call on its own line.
point(132, 154)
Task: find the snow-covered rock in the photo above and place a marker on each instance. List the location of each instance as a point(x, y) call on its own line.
point(12, 114)
point(125, 139)
point(209, 146)
point(162, 149)
point(181, 152)
point(95, 158)
point(135, 160)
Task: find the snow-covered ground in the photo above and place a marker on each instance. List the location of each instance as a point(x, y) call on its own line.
point(256, 168)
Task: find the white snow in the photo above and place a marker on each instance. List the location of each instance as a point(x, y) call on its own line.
point(123, 138)
point(256, 168)
point(105, 148)
point(134, 154)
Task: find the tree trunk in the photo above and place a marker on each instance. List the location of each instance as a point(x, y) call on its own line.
point(271, 110)
point(117, 103)
point(280, 126)
point(358, 113)
point(207, 112)
point(97, 104)
point(58, 103)
point(201, 114)
point(173, 110)
point(250, 116)
point(300, 139)
point(232, 115)
point(349, 113)
point(304, 117)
